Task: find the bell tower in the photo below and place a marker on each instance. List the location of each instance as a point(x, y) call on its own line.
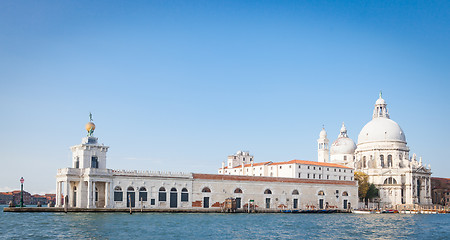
point(323, 150)
point(89, 154)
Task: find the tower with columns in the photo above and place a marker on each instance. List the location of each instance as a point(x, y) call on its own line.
point(87, 183)
point(323, 151)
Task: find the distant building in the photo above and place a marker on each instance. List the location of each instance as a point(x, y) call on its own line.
point(36, 198)
point(14, 196)
point(5, 198)
point(440, 190)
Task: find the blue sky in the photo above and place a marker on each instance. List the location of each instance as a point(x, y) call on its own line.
point(179, 85)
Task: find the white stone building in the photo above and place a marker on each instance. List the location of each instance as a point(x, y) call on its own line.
point(90, 184)
point(382, 153)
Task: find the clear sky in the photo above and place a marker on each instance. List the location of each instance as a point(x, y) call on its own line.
point(179, 85)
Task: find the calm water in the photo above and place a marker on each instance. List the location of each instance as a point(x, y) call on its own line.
point(222, 226)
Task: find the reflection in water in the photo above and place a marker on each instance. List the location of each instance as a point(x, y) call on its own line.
point(219, 226)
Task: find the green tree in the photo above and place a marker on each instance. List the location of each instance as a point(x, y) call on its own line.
point(363, 184)
point(372, 192)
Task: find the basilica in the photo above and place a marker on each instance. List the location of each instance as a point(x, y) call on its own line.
point(381, 153)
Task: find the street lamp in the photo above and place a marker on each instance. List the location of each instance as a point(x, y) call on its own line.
point(21, 191)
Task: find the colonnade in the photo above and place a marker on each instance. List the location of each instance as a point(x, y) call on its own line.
point(78, 196)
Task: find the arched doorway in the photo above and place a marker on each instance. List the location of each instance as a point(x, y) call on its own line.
point(130, 197)
point(74, 197)
point(173, 198)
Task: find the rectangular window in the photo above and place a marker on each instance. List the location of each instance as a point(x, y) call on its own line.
point(314, 175)
point(185, 197)
point(299, 175)
point(339, 177)
point(308, 167)
point(118, 196)
point(162, 196)
point(314, 168)
point(143, 196)
point(267, 202)
point(308, 175)
point(152, 201)
point(328, 176)
point(94, 162)
point(328, 169)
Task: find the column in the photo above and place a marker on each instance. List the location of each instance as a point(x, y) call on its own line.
point(89, 195)
point(106, 194)
point(93, 195)
point(58, 193)
point(80, 193)
point(66, 192)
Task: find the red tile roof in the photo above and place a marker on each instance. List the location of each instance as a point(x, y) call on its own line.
point(295, 161)
point(254, 164)
point(268, 179)
point(312, 163)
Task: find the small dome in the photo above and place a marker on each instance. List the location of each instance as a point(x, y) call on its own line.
point(89, 126)
point(323, 133)
point(381, 130)
point(343, 145)
point(380, 101)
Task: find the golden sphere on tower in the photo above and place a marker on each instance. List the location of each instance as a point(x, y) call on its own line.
point(89, 126)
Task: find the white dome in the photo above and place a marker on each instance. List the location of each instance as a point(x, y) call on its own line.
point(343, 145)
point(323, 133)
point(381, 129)
point(380, 101)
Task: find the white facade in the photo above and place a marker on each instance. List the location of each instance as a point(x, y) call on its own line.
point(90, 184)
point(382, 153)
point(292, 169)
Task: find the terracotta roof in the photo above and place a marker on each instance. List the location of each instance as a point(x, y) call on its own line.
point(222, 177)
point(312, 163)
point(294, 161)
point(249, 165)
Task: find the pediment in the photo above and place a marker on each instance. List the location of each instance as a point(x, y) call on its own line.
point(421, 169)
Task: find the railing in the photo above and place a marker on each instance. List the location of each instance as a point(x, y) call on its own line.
point(151, 173)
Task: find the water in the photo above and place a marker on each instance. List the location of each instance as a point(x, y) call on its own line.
point(222, 226)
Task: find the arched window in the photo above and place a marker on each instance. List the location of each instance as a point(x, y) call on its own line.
point(364, 162)
point(77, 162)
point(173, 189)
point(390, 180)
point(382, 160)
point(96, 195)
point(321, 193)
point(142, 194)
point(184, 195)
point(162, 194)
point(267, 191)
point(206, 189)
point(345, 194)
point(237, 190)
point(389, 161)
point(118, 194)
point(94, 162)
point(345, 158)
point(130, 189)
point(295, 192)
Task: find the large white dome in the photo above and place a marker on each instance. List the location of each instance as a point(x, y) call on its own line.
point(381, 129)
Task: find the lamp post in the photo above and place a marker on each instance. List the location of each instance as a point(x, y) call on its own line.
point(21, 191)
